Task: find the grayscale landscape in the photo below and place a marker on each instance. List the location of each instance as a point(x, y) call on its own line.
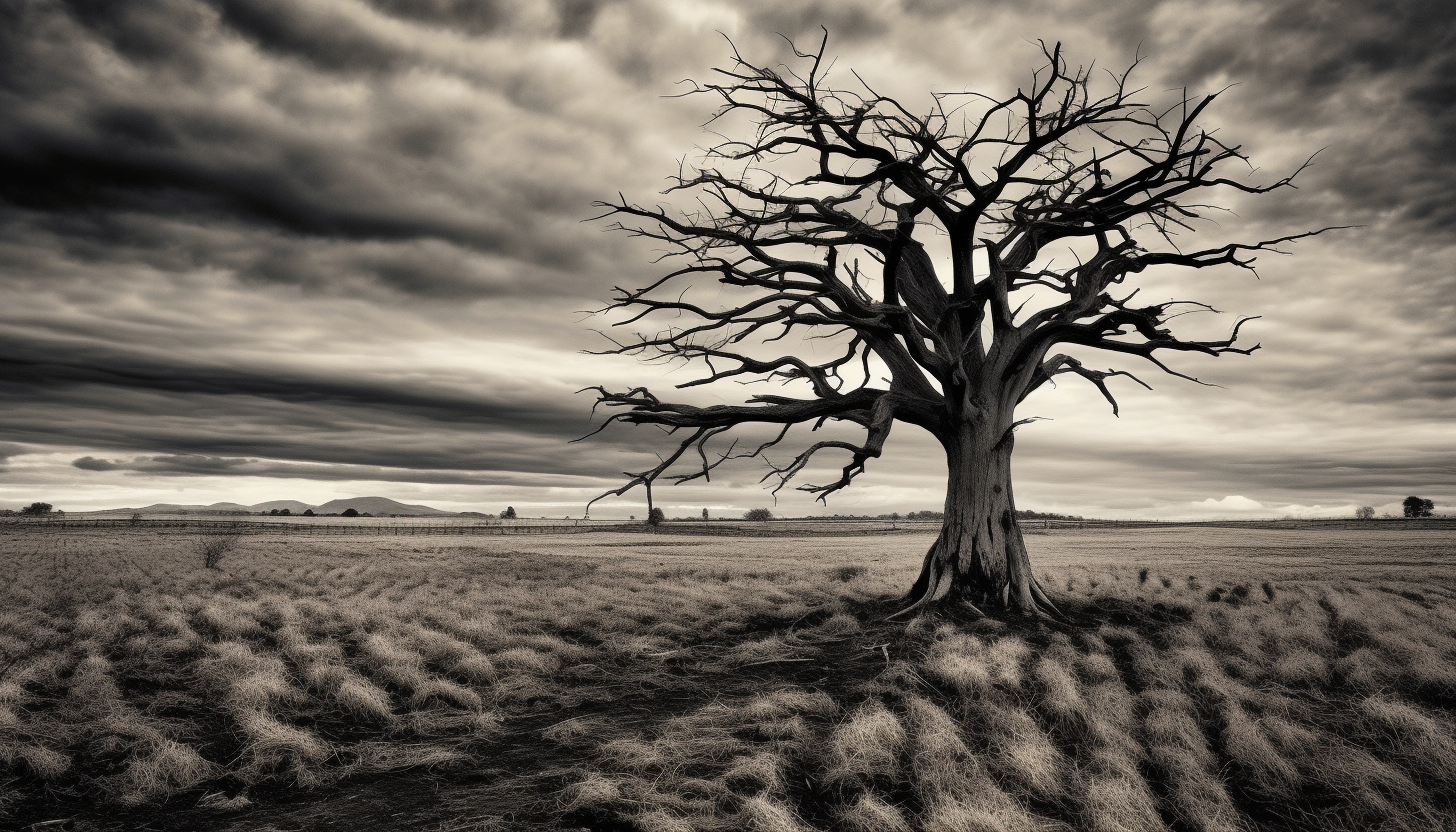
point(677, 415)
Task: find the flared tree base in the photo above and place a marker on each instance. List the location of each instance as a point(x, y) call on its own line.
point(984, 580)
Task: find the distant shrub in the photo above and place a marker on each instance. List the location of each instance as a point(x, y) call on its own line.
point(1045, 515)
point(214, 547)
point(758, 514)
point(351, 512)
point(509, 513)
point(37, 510)
point(308, 512)
point(1365, 513)
point(655, 516)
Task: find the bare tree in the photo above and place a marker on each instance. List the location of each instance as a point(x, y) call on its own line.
point(215, 547)
point(1365, 513)
point(829, 229)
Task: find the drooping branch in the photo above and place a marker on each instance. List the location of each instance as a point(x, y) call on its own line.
point(878, 422)
point(706, 423)
point(1058, 364)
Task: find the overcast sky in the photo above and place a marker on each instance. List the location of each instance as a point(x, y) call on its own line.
point(266, 249)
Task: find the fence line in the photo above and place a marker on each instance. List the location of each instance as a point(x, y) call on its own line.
point(263, 527)
point(719, 528)
point(716, 528)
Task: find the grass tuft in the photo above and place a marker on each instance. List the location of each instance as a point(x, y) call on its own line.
point(866, 748)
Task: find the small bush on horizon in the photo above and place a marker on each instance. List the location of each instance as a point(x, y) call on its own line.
point(758, 514)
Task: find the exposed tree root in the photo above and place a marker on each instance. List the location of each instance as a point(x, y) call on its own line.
point(938, 583)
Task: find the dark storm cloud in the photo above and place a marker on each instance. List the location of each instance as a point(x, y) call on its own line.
point(1238, 470)
point(297, 152)
point(8, 450)
point(312, 33)
point(195, 465)
point(28, 367)
point(480, 17)
point(223, 436)
point(1382, 73)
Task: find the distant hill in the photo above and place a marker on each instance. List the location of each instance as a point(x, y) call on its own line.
point(175, 508)
point(228, 507)
point(378, 506)
point(293, 506)
point(363, 505)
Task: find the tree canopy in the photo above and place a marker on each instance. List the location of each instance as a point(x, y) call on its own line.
point(886, 265)
point(1418, 507)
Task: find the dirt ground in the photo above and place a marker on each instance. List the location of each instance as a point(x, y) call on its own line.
point(716, 620)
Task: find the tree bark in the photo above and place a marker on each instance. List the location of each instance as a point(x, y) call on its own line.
point(979, 559)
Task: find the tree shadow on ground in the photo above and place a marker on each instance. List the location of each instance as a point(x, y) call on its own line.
point(515, 780)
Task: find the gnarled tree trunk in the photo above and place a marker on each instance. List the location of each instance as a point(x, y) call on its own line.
point(980, 558)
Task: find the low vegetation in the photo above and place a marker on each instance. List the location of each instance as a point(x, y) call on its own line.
point(633, 682)
point(214, 547)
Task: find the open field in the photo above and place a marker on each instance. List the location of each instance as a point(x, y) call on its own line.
point(1217, 678)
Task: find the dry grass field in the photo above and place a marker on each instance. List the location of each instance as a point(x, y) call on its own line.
point(1215, 679)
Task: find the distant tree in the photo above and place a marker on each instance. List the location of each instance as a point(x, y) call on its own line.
point(351, 512)
point(758, 514)
point(1417, 507)
point(1365, 513)
point(308, 512)
point(272, 512)
point(37, 510)
point(283, 512)
point(509, 513)
point(705, 514)
point(655, 516)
